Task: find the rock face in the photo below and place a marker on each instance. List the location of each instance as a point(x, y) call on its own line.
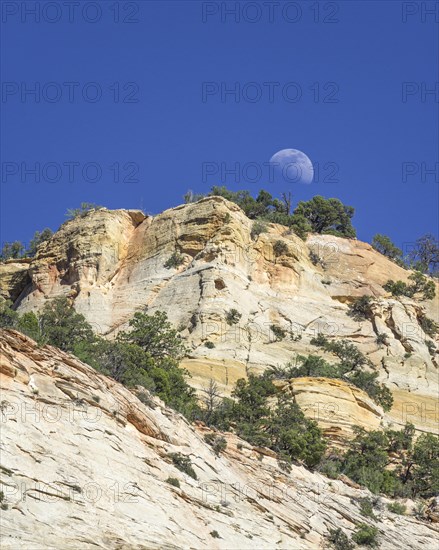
point(112, 263)
point(85, 464)
point(14, 278)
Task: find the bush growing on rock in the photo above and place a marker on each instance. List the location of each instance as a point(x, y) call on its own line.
point(175, 260)
point(318, 215)
point(349, 369)
point(366, 535)
point(420, 285)
point(385, 246)
point(173, 481)
point(85, 208)
point(328, 216)
point(278, 332)
point(428, 326)
point(280, 248)
point(28, 324)
point(233, 316)
point(397, 508)
point(381, 339)
point(415, 471)
point(147, 355)
point(339, 540)
point(62, 327)
point(257, 229)
point(360, 308)
point(218, 443)
point(183, 463)
point(366, 507)
point(8, 317)
point(282, 426)
point(16, 250)
point(39, 238)
point(155, 335)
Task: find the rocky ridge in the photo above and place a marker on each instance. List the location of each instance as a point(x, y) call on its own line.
point(112, 263)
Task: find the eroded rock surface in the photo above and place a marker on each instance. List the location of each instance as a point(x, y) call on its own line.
point(84, 464)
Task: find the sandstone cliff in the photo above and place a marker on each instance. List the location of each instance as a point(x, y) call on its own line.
point(84, 464)
point(112, 263)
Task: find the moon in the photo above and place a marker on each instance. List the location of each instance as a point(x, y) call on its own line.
point(294, 166)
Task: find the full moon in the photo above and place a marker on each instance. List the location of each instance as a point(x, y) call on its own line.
point(294, 166)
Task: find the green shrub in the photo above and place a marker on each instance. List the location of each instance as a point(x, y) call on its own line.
point(62, 327)
point(421, 470)
point(397, 288)
point(155, 335)
point(279, 333)
point(280, 248)
point(366, 535)
point(366, 508)
point(428, 326)
point(233, 316)
point(331, 466)
point(301, 226)
point(397, 508)
point(419, 510)
point(339, 540)
point(258, 228)
point(378, 392)
point(314, 257)
point(431, 347)
point(218, 443)
point(38, 238)
point(381, 339)
point(385, 246)
point(417, 465)
point(80, 212)
point(420, 285)
point(360, 308)
point(350, 369)
point(312, 365)
point(293, 435)
point(148, 355)
point(319, 215)
point(282, 426)
point(175, 260)
point(173, 481)
point(329, 216)
point(183, 463)
point(8, 317)
point(209, 344)
point(28, 324)
point(215, 534)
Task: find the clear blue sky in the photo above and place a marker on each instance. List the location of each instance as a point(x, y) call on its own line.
point(360, 122)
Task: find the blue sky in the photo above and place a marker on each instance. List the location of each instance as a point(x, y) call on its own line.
point(146, 114)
